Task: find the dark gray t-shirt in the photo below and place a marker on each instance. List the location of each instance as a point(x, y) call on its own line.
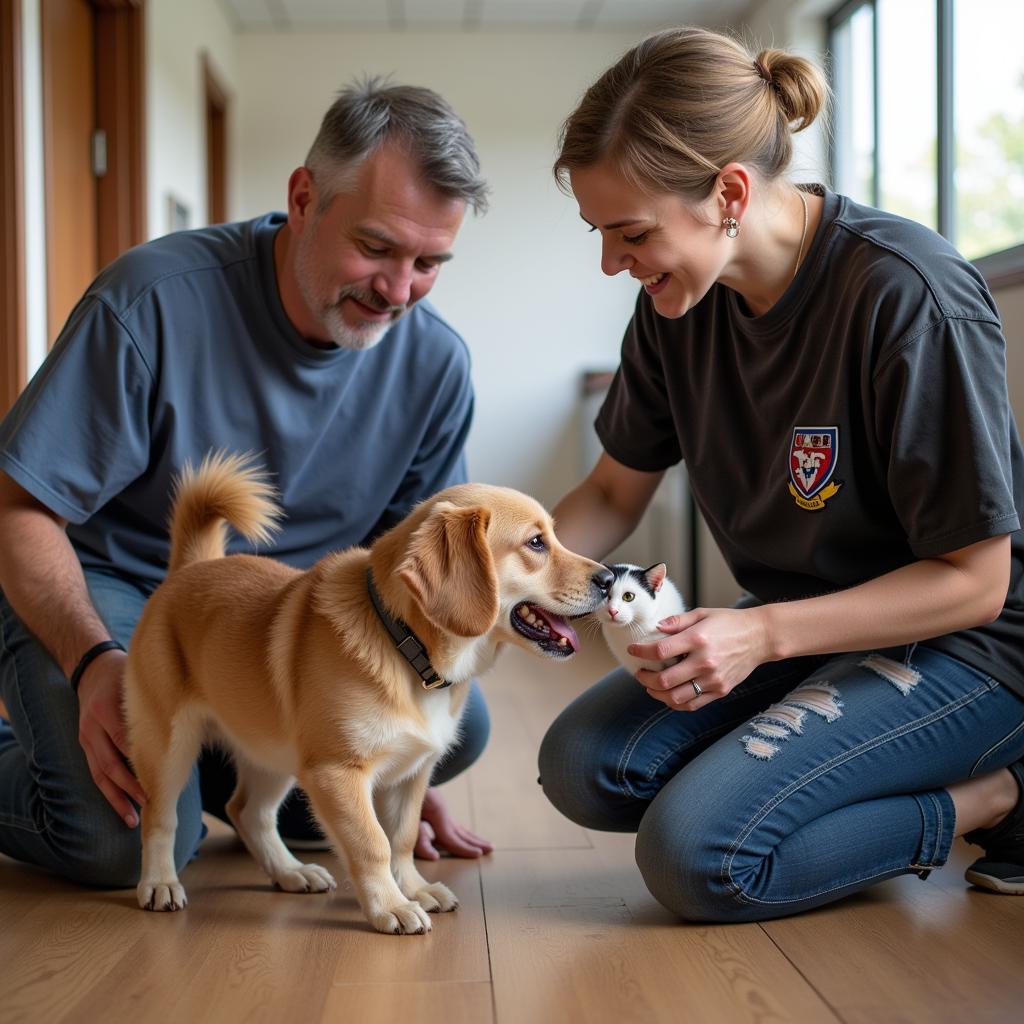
point(182, 346)
point(862, 423)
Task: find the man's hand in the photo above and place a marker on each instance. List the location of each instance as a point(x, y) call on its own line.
point(438, 826)
point(717, 648)
point(101, 733)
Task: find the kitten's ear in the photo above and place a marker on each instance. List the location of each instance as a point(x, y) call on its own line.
point(656, 575)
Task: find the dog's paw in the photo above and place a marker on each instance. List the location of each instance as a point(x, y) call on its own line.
point(437, 898)
point(306, 878)
point(161, 895)
point(407, 918)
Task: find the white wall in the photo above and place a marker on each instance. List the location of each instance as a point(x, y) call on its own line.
point(178, 32)
point(525, 288)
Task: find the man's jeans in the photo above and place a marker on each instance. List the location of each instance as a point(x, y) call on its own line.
point(814, 778)
point(52, 814)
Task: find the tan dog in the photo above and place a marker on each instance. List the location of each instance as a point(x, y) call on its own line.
point(296, 673)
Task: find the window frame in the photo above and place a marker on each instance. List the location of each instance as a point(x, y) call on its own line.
point(1001, 268)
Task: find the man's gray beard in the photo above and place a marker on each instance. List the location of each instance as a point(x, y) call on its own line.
point(329, 315)
point(356, 338)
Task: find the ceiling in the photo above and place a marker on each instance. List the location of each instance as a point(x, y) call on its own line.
point(403, 15)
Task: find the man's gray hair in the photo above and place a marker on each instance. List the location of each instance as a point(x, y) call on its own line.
point(369, 112)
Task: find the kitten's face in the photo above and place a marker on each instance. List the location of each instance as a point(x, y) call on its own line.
point(632, 596)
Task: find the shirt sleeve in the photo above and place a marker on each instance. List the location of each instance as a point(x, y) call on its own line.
point(440, 461)
point(79, 432)
point(942, 415)
point(635, 424)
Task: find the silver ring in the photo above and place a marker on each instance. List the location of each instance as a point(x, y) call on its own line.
point(697, 691)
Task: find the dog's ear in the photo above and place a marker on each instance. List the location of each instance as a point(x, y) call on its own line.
point(450, 571)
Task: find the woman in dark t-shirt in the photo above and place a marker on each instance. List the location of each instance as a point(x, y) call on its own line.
point(834, 378)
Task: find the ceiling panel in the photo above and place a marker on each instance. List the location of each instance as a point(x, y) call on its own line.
point(536, 12)
point(618, 13)
point(307, 13)
point(438, 13)
point(406, 15)
point(249, 13)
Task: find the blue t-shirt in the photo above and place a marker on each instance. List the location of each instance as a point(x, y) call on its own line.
point(182, 346)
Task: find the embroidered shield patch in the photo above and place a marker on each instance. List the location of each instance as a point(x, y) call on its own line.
point(812, 461)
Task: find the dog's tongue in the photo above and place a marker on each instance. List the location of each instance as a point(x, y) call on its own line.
point(559, 627)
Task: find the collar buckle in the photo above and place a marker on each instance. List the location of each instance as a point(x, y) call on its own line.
point(407, 643)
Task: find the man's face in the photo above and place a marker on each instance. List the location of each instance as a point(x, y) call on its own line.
point(372, 253)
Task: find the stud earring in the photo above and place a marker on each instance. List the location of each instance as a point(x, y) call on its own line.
point(732, 226)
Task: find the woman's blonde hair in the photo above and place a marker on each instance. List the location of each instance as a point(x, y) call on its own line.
point(685, 102)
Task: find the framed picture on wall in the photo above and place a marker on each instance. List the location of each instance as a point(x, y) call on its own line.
point(178, 214)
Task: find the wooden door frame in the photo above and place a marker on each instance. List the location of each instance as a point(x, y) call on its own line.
point(121, 112)
point(14, 355)
point(67, 52)
point(216, 120)
point(121, 202)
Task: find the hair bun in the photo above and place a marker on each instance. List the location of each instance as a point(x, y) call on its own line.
point(798, 83)
point(685, 102)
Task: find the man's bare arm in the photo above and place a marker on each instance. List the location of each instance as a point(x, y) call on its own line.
point(42, 580)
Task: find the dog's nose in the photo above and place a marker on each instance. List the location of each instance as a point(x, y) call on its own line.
point(603, 580)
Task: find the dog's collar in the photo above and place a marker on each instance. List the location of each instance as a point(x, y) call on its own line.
point(407, 642)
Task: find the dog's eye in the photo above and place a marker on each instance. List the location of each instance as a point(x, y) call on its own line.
point(537, 543)
point(628, 595)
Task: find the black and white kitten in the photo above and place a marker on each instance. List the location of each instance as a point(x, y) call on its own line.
point(637, 601)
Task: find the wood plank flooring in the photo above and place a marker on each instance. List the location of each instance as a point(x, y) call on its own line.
point(555, 926)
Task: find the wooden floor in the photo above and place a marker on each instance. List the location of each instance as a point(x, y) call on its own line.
point(555, 926)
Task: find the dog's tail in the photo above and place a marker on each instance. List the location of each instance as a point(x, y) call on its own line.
point(225, 489)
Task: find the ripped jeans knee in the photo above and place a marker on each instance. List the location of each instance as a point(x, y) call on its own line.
point(787, 717)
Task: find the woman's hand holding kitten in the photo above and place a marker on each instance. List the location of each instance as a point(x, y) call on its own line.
point(647, 627)
point(715, 647)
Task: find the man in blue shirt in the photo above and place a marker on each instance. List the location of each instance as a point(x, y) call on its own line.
point(304, 338)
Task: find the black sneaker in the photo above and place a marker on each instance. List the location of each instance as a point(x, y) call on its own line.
point(1002, 867)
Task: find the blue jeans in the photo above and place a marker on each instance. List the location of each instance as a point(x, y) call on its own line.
point(52, 814)
point(813, 779)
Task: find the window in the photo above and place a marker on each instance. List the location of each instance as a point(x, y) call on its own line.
point(853, 73)
point(929, 101)
point(988, 125)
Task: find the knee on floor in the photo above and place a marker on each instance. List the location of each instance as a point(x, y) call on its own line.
point(108, 856)
point(682, 868)
point(583, 788)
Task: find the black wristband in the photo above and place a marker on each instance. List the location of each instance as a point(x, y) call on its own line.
point(89, 657)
